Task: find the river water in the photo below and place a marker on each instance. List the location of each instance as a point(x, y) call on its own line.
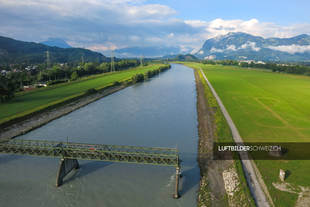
point(160, 112)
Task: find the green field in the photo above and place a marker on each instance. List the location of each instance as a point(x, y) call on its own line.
point(267, 107)
point(29, 102)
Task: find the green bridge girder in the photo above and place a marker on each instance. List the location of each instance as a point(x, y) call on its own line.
point(99, 152)
point(70, 152)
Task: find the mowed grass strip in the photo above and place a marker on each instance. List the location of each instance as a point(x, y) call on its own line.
point(268, 107)
point(27, 103)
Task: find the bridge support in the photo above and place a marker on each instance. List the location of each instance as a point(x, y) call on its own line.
point(66, 166)
point(177, 178)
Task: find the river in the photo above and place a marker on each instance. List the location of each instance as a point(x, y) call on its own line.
point(160, 112)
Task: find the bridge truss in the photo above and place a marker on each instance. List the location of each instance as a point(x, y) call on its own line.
point(70, 152)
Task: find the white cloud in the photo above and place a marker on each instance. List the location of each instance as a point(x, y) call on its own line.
point(292, 49)
point(214, 50)
point(99, 23)
point(231, 47)
point(196, 23)
point(253, 26)
point(251, 45)
point(105, 47)
point(247, 45)
point(171, 35)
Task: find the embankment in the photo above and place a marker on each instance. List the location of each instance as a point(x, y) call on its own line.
point(217, 176)
point(25, 122)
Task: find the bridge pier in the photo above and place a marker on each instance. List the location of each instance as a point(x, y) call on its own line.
point(66, 166)
point(177, 178)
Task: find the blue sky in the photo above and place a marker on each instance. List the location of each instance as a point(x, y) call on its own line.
point(105, 25)
point(278, 11)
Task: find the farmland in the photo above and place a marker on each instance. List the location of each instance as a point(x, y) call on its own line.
point(29, 102)
point(267, 107)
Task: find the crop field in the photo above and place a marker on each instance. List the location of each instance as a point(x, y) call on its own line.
point(268, 107)
point(31, 101)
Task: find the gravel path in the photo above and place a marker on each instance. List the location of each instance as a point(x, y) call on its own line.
point(252, 179)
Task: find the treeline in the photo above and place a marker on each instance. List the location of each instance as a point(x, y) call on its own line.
point(284, 68)
point(141, 77)
point(58, 73)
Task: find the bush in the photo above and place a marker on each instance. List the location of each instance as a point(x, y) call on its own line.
point(91, 91)
point(56, 82)
point(116, 83)
point(138, 78)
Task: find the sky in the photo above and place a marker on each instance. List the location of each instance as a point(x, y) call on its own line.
point(105, 25)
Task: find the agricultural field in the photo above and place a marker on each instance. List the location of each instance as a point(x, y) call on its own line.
point(28, 102)
point(268, 107)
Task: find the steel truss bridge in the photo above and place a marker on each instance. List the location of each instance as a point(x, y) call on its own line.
point(70, 152)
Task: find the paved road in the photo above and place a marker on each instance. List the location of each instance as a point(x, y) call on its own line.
point(252, 180)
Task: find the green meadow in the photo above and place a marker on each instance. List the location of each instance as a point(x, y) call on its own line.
point(28, 102)
point(267, 107)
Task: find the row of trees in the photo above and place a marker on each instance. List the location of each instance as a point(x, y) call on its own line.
point(285, 68)
point(141, 77)
point(57, 73)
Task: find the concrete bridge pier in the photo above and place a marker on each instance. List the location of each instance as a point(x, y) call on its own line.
point(177, 178)
point(66, 166)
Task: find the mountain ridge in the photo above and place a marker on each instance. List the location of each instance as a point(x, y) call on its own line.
point(56, 42)
point(15, 51)
point(239, 46)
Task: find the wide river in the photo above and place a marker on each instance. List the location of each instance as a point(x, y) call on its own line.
point(160, 112)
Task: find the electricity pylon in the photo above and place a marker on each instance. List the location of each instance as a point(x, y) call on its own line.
point(112, 62)
point(82, 58)
point(48, 59)
point(141, 60)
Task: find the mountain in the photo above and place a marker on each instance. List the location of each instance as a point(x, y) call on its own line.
point(15, 51)
point(56, 42)
point(180, 57)
point(243, 46)
point(146, 51)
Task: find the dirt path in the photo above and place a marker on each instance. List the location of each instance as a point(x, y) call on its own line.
point(47, 116)
point(209, 169)
point(254, 182)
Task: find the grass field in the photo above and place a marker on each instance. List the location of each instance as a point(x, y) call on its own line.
point(31, 101)
point(267, 107)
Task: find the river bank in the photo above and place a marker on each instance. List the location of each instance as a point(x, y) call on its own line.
point(45, 117)
point(41, 117)
point(220, 184)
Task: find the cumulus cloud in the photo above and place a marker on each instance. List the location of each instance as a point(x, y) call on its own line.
point(231, 47)
point(104, 24)
point(214, 50)
point(253, 26)
point(92, 22)
point(247, 45)
point(292, 49)
point(251, 45)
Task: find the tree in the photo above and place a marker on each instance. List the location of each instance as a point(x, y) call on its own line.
point(74, 76)
point(90, 68)
point(7, 88)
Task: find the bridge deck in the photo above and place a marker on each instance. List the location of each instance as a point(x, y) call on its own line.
point(101, 152)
